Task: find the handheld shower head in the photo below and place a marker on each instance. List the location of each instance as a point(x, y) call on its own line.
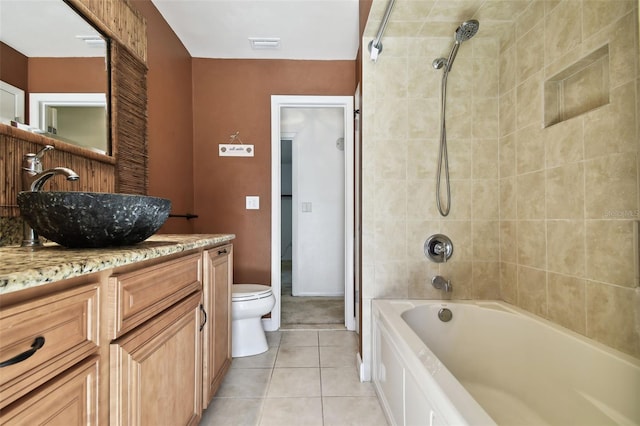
point(466, 30)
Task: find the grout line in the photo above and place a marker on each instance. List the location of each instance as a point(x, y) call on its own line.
point(320, 378)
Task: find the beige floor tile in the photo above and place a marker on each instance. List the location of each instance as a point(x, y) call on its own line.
point(299, 338)
point(319, 385)
point(263, 360)
point(337, 356)
point(232, 412)
point(338, 338)
point(353, 411)
point(245, 383)
point(344, 381)
point(294, 382)
point(292, 412)
point(298, 356)
point(273, 338)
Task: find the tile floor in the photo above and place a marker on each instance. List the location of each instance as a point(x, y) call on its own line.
point(307, 377)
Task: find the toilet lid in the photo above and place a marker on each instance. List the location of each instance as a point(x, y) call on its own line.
point(249, 291)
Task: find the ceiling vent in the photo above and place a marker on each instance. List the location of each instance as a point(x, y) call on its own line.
point(92, 40)
point(261, 43)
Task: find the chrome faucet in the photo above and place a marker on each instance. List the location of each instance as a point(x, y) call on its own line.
point(33, 179)
point(441, 283)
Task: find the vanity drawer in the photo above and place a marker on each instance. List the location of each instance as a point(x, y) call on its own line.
point(57, 331)
point(139, 295)
point(69, 399)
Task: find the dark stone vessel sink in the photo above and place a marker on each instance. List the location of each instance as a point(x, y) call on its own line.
point(93, 219)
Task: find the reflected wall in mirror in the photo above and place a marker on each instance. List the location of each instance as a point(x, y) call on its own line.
point(72, 117)
point(47, 48)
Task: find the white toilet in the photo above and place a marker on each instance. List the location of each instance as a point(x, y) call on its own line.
point(249, 303)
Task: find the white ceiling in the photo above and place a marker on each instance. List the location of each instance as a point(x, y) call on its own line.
point(322, 29)
point(307, 29)
point(45, 28)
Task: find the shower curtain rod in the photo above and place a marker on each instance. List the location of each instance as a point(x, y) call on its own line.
point(375, 45)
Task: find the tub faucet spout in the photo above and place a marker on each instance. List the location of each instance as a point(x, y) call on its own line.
point(441, 283)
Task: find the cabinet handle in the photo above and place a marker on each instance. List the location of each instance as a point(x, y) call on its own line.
point(205, 316)
point(37, 344)
point(223, 251)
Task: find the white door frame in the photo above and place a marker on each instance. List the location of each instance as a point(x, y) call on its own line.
point(295, 101)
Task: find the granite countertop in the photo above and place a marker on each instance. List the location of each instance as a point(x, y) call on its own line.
point(22, 268)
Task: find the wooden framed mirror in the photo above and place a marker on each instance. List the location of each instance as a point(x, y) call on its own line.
point(125, 170)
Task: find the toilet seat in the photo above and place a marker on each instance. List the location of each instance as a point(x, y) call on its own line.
point(245, 292)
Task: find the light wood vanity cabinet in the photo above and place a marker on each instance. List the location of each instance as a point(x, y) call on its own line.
point(147, 343)
point(218, 278)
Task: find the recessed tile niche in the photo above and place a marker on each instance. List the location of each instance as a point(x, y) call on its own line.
point(581, 87)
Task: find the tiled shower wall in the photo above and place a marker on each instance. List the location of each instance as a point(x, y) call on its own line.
point(401, 110)
point(541, 217)
point(569, 192)
point(399, 159)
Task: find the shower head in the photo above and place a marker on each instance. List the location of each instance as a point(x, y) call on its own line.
point(464, 32)
point(467, 30)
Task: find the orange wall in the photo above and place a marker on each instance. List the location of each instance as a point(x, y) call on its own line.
point(51, 75)
point(67, 75)
point(235, 95)
point(170, 118)
point(14, 67)
point(186, 125)
point(364, 7)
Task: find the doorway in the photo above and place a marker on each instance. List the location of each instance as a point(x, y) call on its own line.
point(321, 265)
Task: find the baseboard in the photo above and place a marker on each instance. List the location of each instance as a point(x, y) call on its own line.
point(360, 368)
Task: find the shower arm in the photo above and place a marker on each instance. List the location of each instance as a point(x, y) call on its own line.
point(375, 45)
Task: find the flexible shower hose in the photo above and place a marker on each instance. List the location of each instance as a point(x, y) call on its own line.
point(443, 156)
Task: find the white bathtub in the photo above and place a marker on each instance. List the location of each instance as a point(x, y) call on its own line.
point(495, 364)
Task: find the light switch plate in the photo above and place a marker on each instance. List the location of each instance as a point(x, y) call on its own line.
point(253, 202)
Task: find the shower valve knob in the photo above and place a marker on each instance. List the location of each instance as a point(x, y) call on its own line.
point(438, 248)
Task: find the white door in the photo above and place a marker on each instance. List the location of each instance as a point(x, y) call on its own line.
point(317, 199)
point(316, 193)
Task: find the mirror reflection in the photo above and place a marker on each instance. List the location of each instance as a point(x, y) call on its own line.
point(54, 76)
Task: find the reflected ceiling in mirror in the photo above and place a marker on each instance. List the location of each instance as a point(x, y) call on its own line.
point(49, 49)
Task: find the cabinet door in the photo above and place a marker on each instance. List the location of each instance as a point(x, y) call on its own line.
point(218, 277)
point(156, 376)
point(69, 399)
